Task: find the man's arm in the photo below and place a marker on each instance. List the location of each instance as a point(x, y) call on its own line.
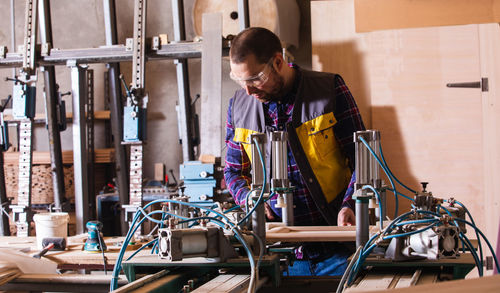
point(348, 121)
point(237, 164)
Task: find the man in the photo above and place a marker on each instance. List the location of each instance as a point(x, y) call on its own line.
point(320, 115)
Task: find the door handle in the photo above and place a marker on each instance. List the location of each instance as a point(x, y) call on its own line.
point(483, 84)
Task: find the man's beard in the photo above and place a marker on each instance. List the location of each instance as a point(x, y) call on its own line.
point(277, 94)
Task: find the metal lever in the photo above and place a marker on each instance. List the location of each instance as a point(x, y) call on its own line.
point(483, 84)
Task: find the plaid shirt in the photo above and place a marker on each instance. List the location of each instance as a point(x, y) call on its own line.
point(237, 165)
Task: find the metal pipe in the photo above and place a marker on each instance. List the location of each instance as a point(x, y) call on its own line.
point(362, 156)
point(279, 156)
point(51, 100)
point(116, 109)
point(287, 212)
point(78, 89)
point(183, 84)
point(110, 22)
point(13, 31)
point(243, 14)
point(259, 226)
point(4, 217)
point(362, 221)
point(258, 141)
point(374, 166)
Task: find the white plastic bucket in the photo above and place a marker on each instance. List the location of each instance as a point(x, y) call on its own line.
point(50, 225)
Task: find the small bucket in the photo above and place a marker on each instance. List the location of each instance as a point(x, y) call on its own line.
point(50, 225)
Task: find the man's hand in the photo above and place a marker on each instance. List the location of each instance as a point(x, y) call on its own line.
point(269, 212)
point(346, 217)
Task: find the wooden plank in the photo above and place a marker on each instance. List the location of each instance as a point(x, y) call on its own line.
point(211, 86)
point(159, 172)
point(98, 115)
point(395, 14)
point(226, 284)
point(374, 282)
point(484, 284)
point(9, 275)
point(314, 233)
point(101, 156)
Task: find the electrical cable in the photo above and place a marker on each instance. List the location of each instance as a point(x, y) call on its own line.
point(386, 173)
point(340, 287)
point(142, 247)
point(477, 234)
point(390, 172)
point(102, 249)
point(134, 227)
point(403, 195)
point(379, 204)
point(416, 222)
point(263, 185)
point(485, 239)
point(412, 232)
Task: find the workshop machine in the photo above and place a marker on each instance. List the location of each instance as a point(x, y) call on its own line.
point(197, 239)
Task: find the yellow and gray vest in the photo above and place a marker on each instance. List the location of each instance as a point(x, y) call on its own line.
point(321, 162)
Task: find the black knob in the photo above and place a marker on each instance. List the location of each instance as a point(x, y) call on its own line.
point(424, 186)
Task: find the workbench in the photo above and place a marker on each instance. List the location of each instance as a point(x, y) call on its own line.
point(74, 258)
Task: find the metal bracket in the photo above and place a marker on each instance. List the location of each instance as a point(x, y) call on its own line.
point(3, 52)
point(482, 84)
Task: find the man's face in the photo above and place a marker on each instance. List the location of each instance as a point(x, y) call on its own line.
point(261, 81)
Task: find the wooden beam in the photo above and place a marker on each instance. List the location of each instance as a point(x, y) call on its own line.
point(313, 233)
point(484, 284)
point(395, 14)
point(101, 156)
point(98, 115)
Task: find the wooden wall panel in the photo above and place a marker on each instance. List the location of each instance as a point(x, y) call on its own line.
point(489, 36)
point(395, 14)
point(337, 48)
point(430, 132)
point(446, 136)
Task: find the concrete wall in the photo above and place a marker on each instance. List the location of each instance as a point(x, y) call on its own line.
point(80, 24)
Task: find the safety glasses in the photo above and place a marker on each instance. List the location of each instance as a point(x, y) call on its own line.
point(257, 80)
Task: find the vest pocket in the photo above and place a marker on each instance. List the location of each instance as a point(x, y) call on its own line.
point(320, 132)
point(324, 141)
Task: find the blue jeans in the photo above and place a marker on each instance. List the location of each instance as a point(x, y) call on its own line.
point(334, 265)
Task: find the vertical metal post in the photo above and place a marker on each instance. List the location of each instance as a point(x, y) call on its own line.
point(362, 220)
point(258, 141)
point(23, 104)
point(134, 115)
point(13, 31)
point(184, 107)
point(90, 143)
point(279, 182)
point(4, 201)
point(79, 93)
point(243, 14)
point(51, 100)
point(367, 173)
point(116, 109)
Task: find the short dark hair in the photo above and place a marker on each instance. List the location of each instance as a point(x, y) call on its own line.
point(259, 41)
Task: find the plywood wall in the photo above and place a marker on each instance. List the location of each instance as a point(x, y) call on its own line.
point(445, 136)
